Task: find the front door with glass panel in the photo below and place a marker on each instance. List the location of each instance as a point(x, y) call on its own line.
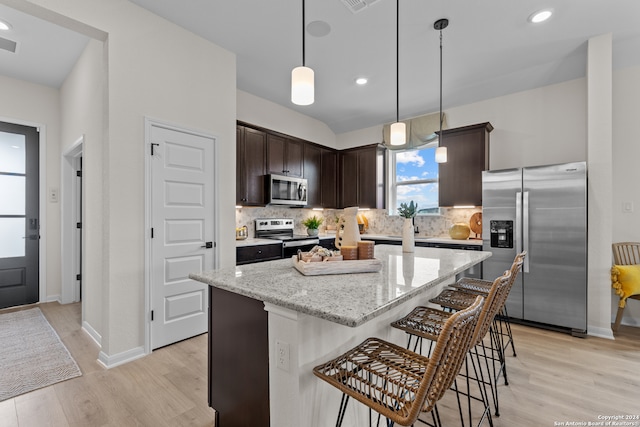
point(19, 222)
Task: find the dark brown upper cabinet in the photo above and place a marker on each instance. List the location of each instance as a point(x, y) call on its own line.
point(329, 178)
point(313, 174)
point(460, 182)
point(284, 156)
point(251, 155)
point(335, 179)
point(362, 172)
point(321, 173)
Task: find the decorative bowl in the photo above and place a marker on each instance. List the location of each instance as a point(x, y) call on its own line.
point(459, 231)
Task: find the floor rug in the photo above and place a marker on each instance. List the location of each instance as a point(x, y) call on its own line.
point(31, 354)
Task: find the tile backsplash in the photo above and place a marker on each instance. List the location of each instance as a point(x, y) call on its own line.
point(380, 222)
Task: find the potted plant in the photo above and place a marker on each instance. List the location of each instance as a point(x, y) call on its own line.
point(408, 212)
point(312, 223)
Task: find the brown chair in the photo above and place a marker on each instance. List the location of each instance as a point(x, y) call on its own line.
point(625, 253)
point(481, 287)
point(427, 322)
point(456, 299)
point(398, 383)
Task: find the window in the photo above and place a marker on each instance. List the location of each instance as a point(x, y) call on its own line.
point(414, 176)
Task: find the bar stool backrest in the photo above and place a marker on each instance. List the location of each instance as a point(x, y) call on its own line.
point(449, 354)
point(493, 303)
point(516, 267)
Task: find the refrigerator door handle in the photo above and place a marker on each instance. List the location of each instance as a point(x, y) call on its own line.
point(525, 230)
point(518, 224)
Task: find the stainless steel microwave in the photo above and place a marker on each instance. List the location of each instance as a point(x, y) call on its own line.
point(286, 190)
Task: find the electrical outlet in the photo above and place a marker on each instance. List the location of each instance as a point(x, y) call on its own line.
point(283, 355)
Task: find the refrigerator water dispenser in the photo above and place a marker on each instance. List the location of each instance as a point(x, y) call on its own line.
point(501, 234)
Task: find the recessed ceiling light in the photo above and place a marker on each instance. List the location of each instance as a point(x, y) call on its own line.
point(361, 80)
point(540, 16)
point(4, 25)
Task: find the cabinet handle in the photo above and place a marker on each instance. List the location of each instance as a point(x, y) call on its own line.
point(259, 252)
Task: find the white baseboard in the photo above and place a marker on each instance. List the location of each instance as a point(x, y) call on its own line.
point(121, 358)
point(54, 298)
point(600, 332)
point(95, 336)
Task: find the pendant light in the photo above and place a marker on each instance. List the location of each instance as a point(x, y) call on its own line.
point(302, 85)
point(441, 152)
point(398, 130)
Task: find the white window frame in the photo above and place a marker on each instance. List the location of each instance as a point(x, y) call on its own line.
point(391, 189)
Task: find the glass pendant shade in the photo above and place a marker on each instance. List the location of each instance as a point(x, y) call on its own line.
point(398, 133)
point(302, 86)
point(441, 155)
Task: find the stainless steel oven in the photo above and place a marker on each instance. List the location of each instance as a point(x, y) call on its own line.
point(282, 229)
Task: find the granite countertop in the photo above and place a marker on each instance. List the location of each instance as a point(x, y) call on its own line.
point(424, 239)
point(323, 236)
point(347, 299)
point(256, 242)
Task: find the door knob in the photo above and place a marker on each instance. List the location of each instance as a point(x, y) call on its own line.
point(207, 245)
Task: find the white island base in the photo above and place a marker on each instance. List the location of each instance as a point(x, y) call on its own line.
point(312, 319)
point(299, 398)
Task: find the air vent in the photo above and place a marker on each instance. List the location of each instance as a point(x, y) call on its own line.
point(356, 6)
point(9, 45)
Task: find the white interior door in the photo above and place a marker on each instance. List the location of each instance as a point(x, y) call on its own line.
point(182, 203)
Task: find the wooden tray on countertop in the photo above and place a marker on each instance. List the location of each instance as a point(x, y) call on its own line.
point(337, 267)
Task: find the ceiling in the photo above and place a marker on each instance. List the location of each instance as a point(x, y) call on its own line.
point(45, 53)
point(490, 49)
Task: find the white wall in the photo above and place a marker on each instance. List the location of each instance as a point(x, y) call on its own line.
point(535, 127)
point(36, 105)
point(155, 69)
point(260, 112)
point(600, 148)
point(626, 173)
point(82, 105)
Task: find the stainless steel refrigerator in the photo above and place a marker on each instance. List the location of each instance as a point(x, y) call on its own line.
point(542, 210)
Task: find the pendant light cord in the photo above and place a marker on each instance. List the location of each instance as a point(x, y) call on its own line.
point(397, 60)
point(303, 35)
point(440, 134)
point(440, 25)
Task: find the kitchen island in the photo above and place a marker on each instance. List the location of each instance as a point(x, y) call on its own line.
point(270, 325)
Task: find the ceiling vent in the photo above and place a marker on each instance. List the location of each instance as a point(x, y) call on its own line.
point(356, 6)
point(9, 45)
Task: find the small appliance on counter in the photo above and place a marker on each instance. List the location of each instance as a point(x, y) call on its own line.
point(282, 229)
point(242, 233)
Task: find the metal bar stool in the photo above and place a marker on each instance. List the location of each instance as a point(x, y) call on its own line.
point(398, 383)
point(426, 323)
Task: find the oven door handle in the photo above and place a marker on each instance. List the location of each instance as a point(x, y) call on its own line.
point(297, 243)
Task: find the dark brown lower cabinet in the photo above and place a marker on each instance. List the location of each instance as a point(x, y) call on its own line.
point(258, 253)
point(238, 360)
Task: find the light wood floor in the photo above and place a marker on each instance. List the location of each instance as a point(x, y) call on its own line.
point(555, 378)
